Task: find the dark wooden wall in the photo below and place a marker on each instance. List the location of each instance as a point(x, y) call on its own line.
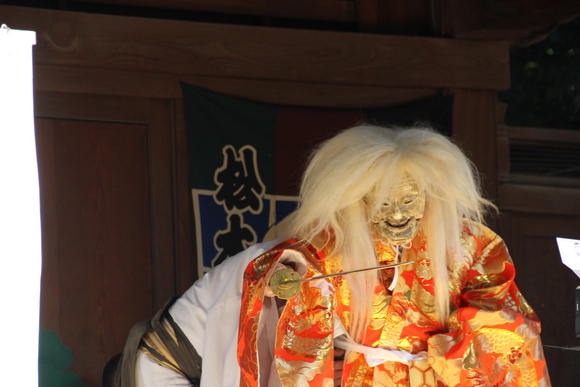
point(536, 209)
point(109, 218)
point(117, 217)
point(96, 231)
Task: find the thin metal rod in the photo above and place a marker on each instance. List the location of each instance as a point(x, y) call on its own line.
point(346, 272)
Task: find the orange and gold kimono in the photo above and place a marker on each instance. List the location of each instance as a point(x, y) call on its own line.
point(491, 338)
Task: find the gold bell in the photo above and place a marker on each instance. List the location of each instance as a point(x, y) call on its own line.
point(283, 283)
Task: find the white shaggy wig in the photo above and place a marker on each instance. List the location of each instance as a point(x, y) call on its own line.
point(348, 178)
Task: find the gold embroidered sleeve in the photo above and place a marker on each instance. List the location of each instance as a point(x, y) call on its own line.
point(493, 335)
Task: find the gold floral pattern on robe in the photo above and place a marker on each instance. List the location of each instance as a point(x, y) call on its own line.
point(491, 337)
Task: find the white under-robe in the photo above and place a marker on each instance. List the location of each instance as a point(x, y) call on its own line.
point(209, 314)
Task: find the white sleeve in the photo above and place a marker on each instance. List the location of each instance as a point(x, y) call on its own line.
point(214, 299)
point(150, 374)
point(208, 313)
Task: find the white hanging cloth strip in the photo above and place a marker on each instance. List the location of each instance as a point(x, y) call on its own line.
point(376, 356)
point(373, 356)
point(398, 256)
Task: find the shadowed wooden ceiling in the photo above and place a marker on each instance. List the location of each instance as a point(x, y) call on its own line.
point(521, 22)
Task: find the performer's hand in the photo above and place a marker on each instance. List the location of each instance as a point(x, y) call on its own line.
point(338, 364)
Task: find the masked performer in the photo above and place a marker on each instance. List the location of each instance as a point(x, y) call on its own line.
point(451, 315)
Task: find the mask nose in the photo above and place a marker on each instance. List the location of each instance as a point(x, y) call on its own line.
point(396, 213)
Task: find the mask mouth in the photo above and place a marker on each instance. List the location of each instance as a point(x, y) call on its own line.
point(400, 225)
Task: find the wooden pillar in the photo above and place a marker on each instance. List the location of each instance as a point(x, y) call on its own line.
point(367, 15)
point(475, 130)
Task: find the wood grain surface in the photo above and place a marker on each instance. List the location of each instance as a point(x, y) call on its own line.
point(134, 44)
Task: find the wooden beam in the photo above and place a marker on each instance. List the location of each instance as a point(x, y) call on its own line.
point(545, 181)
point(184, 225)
point(402, 17)
point(541, 135)
point(312, 94)
point(519, 22)
point(330, 10)
point(157, 85)
point(260, 53)
point(503, 154)
point(475, 130)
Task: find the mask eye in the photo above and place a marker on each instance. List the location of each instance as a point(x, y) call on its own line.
point(408, 201)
